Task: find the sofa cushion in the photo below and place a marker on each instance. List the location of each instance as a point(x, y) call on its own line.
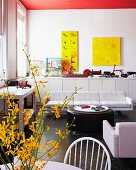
point(67, 95)
point(112, 96)
point(116, 104)
point(58, 102)
point(54, 103)
point(85, 102)
point(59, 95)
point(56, 96)
point(86, 96)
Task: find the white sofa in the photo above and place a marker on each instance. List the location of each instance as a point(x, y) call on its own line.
point(116, 100)
point(120, 140)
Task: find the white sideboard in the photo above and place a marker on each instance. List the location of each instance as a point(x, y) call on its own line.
point(128, 85)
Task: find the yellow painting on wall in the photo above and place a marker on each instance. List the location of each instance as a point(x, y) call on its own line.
point(69, 51)
point(106, 51)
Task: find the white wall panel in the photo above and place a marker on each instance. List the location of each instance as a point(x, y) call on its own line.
point(132, 89)
point(68, 84)
point(122, 85)
point(55, 84)
point(108, 85)
point(82, 83)
point(95, 84)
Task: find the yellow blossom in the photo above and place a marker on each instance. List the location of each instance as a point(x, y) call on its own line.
point(42, 83)
point(47, 128)
point(46, 99)
point(60, 134)
point(27, 115)
point(56, 111)
point(40, 112)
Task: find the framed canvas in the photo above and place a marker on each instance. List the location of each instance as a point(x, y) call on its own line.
point(53, 66)
point(106, 51)
point(69, 51)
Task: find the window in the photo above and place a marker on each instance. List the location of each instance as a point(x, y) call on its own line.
point(2, 61)
point(1, 16)
point(1, 40)
point(1, 58)
point(21, 41)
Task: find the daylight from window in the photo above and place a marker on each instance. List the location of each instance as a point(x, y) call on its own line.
point(21, 32)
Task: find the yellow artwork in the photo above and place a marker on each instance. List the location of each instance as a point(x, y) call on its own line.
point(106, 51)
point(69, 51)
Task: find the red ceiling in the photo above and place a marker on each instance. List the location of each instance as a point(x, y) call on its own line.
point(78, 4)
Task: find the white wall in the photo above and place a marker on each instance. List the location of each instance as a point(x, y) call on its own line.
point(45, 26)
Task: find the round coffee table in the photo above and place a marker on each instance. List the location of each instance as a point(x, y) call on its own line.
point(89, 121)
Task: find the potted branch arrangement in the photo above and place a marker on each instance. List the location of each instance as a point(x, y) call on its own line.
point(15, 144)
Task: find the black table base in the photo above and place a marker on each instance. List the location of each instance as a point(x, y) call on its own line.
point(89, 122)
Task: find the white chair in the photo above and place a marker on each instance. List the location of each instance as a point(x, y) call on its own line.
point(89, 154)
point(121, 140)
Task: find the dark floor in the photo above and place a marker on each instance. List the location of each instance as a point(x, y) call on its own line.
point(117, 164)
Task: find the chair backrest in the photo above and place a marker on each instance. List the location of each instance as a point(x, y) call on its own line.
point(89, 154)
point(127, 139)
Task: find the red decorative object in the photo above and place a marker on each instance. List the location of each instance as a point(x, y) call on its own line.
point(24, 84)
point(85, 106)
point(87, 72)
point(96, 72)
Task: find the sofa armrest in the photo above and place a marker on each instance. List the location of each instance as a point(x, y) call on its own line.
point(129, 100)
point(111, 138)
